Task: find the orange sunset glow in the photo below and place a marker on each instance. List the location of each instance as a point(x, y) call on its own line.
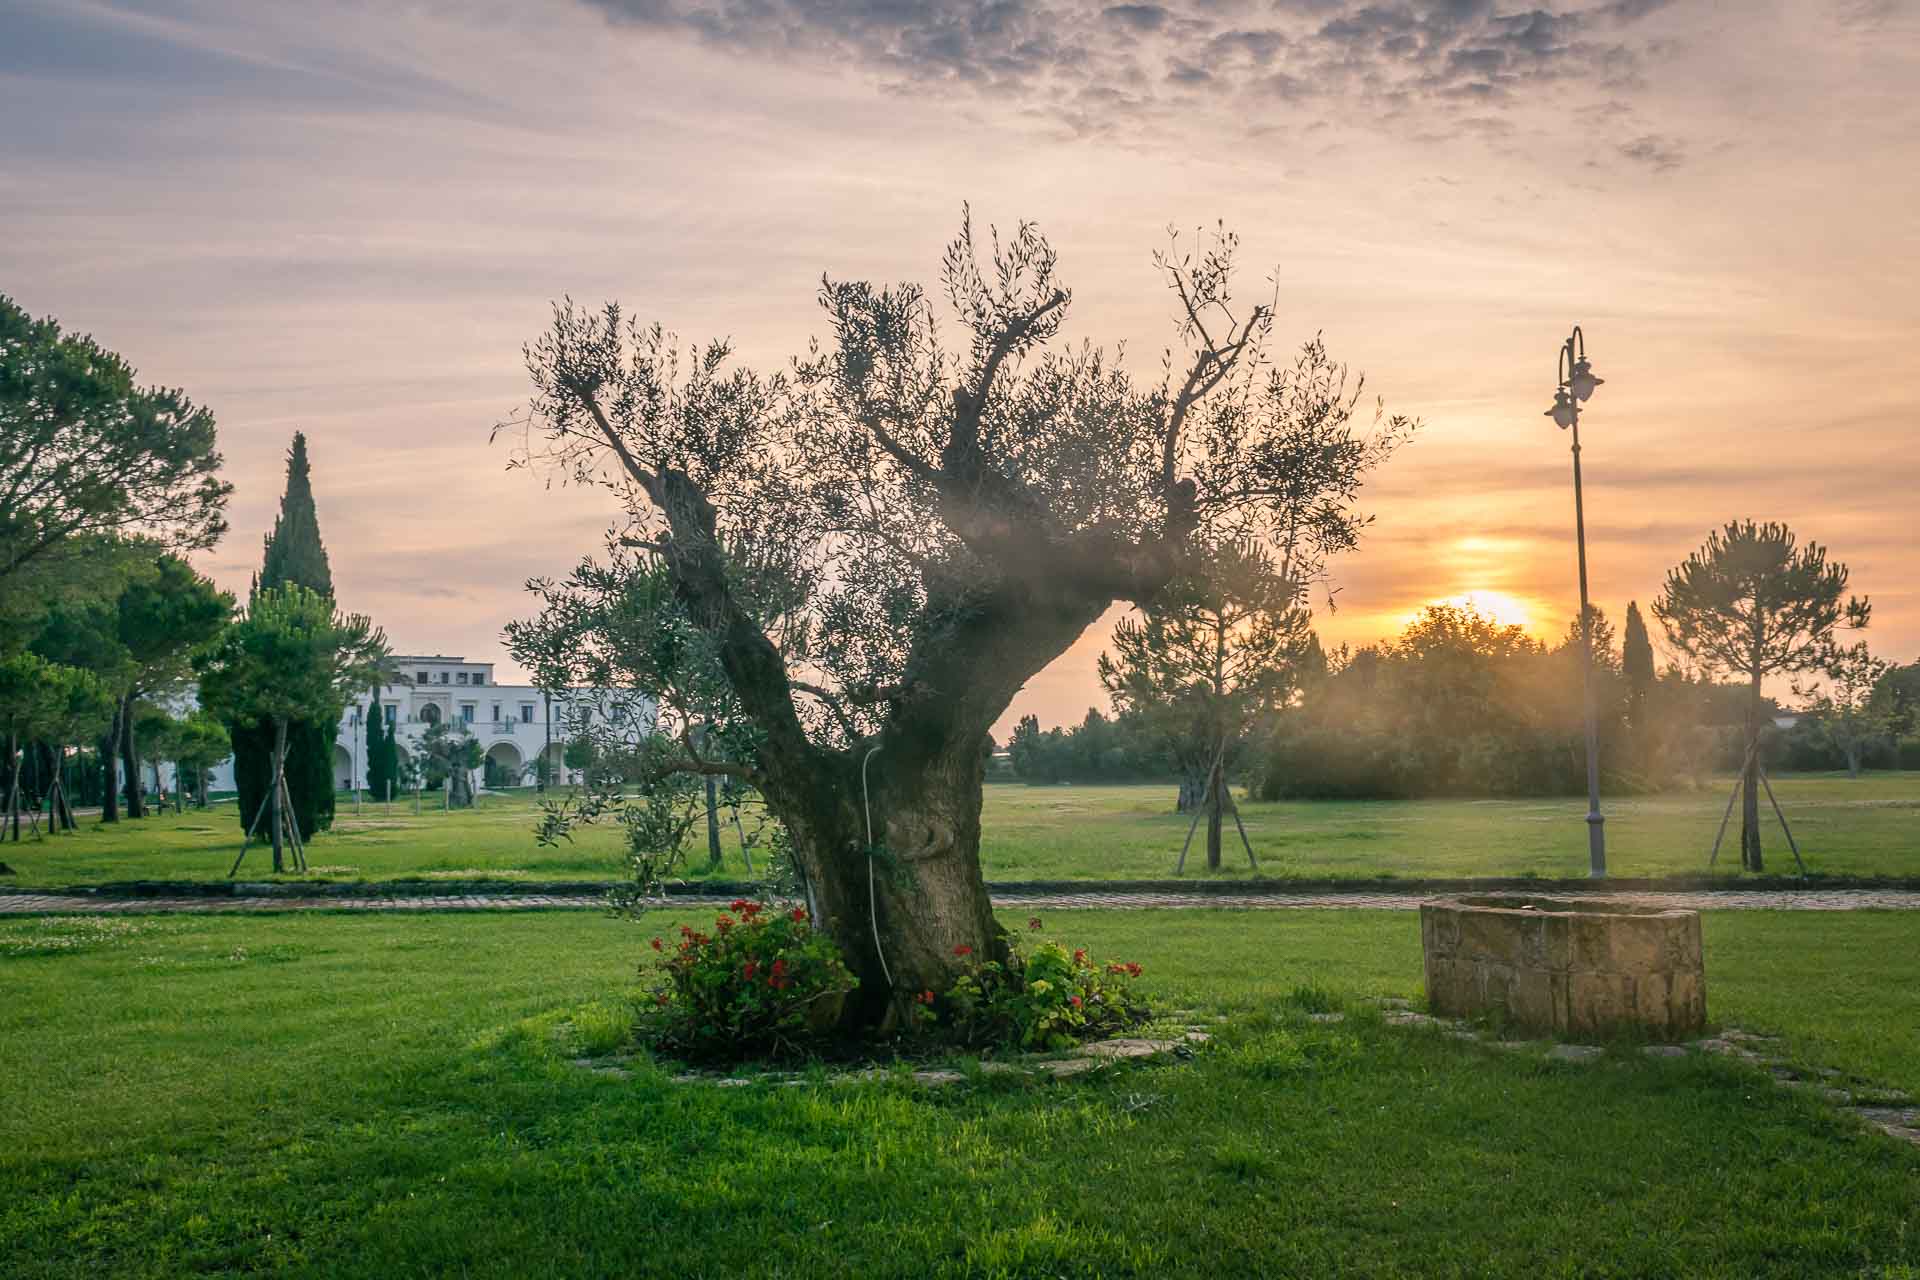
point(347, 218)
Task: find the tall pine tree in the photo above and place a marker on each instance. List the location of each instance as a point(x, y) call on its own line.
point(294, 556)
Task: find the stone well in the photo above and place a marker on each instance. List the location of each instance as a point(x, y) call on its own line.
point(1570, 967)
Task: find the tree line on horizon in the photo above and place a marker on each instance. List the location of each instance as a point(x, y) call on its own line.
point(1693, 722)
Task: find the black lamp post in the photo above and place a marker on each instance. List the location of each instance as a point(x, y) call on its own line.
point(1575, 388)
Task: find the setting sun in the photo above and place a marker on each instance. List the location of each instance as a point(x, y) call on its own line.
point(1508, 610)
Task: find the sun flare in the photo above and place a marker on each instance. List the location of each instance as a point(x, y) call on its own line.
point(1505, 609)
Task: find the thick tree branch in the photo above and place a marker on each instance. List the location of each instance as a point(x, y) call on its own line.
point(833, 705)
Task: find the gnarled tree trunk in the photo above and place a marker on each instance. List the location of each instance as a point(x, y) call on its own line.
point(910, 910)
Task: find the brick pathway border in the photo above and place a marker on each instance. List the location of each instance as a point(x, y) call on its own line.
point(20, 904)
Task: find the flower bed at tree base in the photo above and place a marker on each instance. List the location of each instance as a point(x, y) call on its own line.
point(764, 985)
point(1566, 966)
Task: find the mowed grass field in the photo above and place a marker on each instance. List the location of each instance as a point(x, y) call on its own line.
point(328, 1094)
point(1846, 827)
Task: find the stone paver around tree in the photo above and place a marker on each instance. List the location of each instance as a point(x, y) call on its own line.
point(21, 902)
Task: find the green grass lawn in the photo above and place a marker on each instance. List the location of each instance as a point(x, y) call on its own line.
point(1864, 827)
point(332, 1094)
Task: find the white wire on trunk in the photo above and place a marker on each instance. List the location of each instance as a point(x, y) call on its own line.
point(873, 911)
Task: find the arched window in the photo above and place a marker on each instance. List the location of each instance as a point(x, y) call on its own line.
point(430, 714)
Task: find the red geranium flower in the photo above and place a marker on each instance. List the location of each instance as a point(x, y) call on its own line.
point(749, 909)
point(724, 923)
point(963, 950)
point(925, 997)
point(656, 944)
point(1074, 1001)
point(799, 915)
point(738, 904)
point(1133, 970)
point(749, 970)
point(1033, 922)
point(1080, 956)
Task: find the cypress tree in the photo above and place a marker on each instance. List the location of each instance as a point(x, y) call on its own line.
point(371, 742)
point(383, 753)
point(1637, 661)
point(294, 556)
point(294, 552)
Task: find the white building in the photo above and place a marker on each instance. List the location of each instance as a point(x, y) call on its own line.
point(510, 721)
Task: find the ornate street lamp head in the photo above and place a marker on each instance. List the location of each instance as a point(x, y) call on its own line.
point(1583, 382)
point(1562, 411)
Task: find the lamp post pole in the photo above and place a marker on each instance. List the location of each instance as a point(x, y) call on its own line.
point(1577, 384)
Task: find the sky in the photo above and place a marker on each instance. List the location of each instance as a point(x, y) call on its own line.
point(347, 219)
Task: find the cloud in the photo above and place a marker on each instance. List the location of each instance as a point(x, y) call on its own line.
point(1654, 150)
point(1387, 57)
point(1139, 17)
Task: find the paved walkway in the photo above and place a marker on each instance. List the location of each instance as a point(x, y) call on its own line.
point(1703, 899)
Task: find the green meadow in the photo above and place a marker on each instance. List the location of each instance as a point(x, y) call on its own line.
point(1846, 827)
point(332, 1094)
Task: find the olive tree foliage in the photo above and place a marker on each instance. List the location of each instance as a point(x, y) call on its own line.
point(1754, 603)
point(655, 694)
point(882, 543)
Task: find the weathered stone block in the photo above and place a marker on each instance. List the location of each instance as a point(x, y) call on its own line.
point(1566, 966)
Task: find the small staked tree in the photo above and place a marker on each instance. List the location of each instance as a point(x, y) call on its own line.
point(46, 702)
point(1218, 650)
point(882, 546)
point(1851, 710)
point(84, 452)
point(201, 742)
point(30, 693)
point(1752, 603)
point(291, 657)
